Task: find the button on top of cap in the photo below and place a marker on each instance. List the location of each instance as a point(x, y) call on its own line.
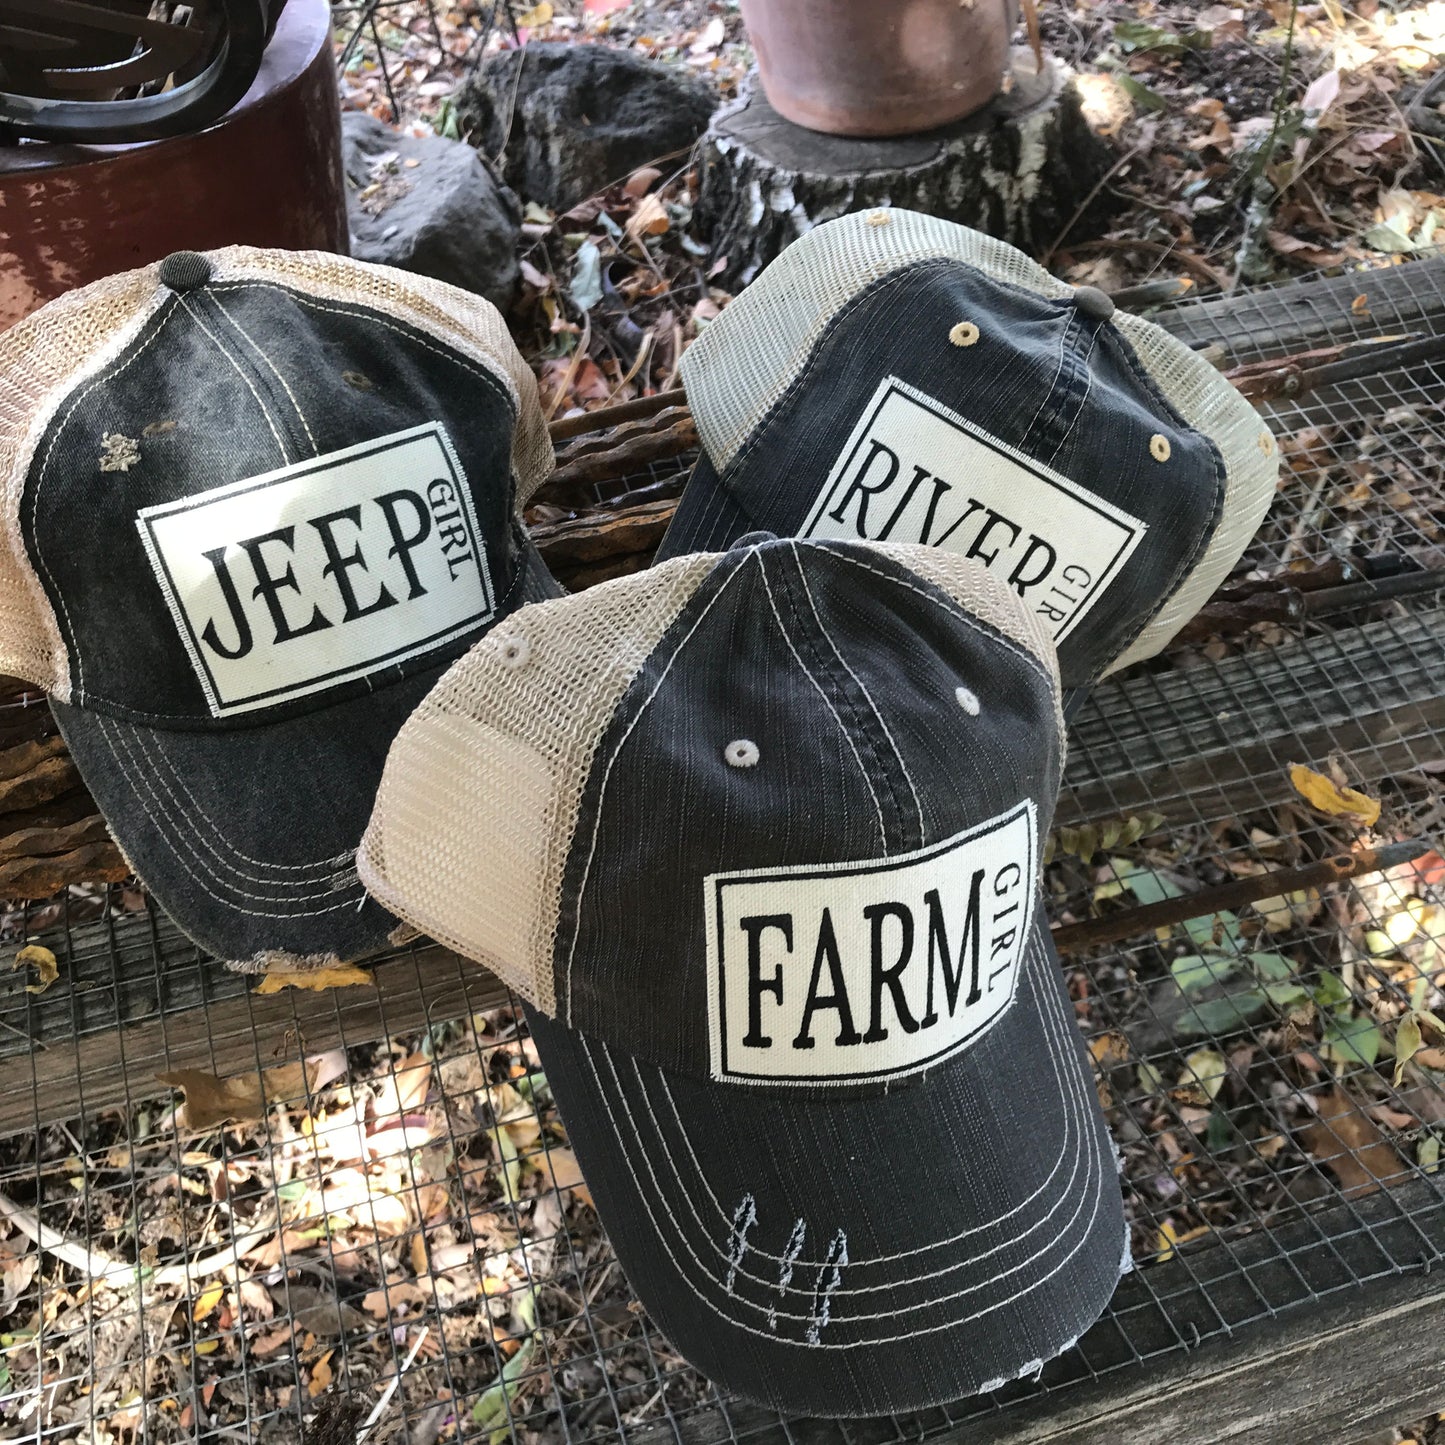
point(185, 270)
point(1094, 304)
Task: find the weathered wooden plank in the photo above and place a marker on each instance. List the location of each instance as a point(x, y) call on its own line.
point(111, 1067)
point(1293, 317)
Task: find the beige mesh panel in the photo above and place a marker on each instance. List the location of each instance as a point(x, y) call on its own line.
point(479, 801)
point(1212, 406)
point(781, 316)
point(468, 323)
point(988, 597)
point(45, 360)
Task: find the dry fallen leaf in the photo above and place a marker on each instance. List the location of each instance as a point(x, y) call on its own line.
point(539, 14)
point(1109, 1050)
point(1204, 1074)
point(1320, 792)
point(207, 1301)
point(210, 1101)
point(649, 219)
point(1346, 1139)
point(566, 1172)
point(344, 975)
point(1169, 1237)
point(44, 964)
point(321, 1370)
point(640, 182)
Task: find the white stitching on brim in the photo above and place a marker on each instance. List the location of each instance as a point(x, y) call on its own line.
point(1076, 1132)
point(853, 1343)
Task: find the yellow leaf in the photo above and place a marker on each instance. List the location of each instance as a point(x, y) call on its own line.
point(321, 1370)
point(44, 964)
point(1400, 927)
point(1319, 792)
point(345, 975)
point(1207, 1069)
point(207, 1347)
point(1407, 1044)
point(1169, 1237)
point(207, 1302)
point(539, 14)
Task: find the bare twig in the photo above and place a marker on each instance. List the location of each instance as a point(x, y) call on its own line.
point(101, 1268)
point(1078, 937)
point(380, 1407)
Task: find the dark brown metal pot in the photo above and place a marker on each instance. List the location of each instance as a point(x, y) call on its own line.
point(879, 67)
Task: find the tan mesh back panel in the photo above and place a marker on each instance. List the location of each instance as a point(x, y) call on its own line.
point(784, 312)
point(47, 359)
point(479, 800)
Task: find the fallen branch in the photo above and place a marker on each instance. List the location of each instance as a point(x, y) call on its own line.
point(101, 1268)
point(1134, 922)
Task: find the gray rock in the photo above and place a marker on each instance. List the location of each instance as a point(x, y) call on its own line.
point(446, 216)
point(567, 120)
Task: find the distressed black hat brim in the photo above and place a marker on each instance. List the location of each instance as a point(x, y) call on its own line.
point(859, 1255)
point(247, 837)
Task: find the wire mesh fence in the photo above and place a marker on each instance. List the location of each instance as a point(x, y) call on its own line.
point(398, 1244)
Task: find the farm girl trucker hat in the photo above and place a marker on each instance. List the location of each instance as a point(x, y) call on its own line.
point(899, 378)
point(757, 837)
point(254, 502)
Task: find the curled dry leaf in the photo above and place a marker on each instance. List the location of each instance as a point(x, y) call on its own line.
point(210, 1101)
point(1346, 1139)
point(321, 1371)
point(44, 964)
point(317, 979)
point(1328, 797)
point(649, 219)
point(640, 182)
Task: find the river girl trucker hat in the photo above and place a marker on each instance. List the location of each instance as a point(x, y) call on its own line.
point(896, 377)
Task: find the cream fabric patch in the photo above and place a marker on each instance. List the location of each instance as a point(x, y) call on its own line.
point(318, 573)
point(851, 972)
point(914, 471)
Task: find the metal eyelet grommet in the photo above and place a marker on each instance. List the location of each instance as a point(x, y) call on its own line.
point(1159, 447)
point(742, 753)
point(877, 218)
point(1266, 443)
point(967, 700)
point(965, 333)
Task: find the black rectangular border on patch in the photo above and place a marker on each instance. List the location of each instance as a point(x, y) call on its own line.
point(320, 464)
point(959, 840)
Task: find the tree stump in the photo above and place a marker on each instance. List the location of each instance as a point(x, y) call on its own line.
point(1019, 169)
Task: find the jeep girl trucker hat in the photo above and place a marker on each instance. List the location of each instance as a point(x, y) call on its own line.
point(757, 837)
point(254, 502)
point(899, 378)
